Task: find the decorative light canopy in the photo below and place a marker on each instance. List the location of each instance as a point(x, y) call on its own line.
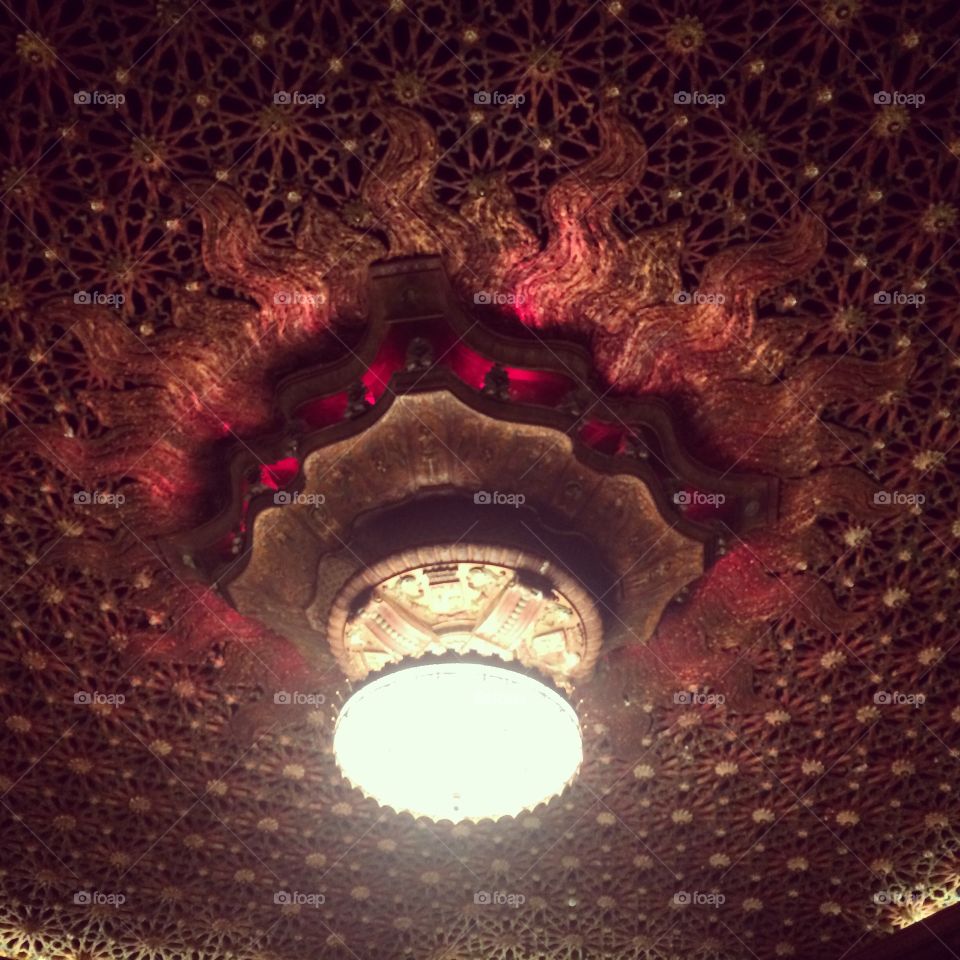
point(458, 741)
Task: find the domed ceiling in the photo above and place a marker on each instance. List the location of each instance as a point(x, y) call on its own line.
point(742, 215)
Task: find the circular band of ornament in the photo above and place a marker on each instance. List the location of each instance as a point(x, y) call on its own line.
point(466, 599)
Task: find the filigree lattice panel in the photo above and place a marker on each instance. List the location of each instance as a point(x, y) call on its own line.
point(154, 800)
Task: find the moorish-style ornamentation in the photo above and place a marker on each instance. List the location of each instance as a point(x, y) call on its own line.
point(732, 231)
point(462, 606)
point(438, 456)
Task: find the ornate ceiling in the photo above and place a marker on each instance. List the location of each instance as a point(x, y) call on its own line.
point(746, 213)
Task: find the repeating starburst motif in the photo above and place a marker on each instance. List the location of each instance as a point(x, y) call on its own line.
point(137, 139)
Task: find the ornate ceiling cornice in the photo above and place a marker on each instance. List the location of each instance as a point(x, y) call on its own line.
point(732, 406)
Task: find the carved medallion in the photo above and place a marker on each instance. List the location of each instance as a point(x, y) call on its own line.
point(493, 601)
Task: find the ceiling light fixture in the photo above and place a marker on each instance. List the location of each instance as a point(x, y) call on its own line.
point(458, 740)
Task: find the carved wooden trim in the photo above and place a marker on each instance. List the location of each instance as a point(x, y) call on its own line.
point(413, 295)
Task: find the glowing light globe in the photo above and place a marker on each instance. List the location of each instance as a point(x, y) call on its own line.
point(458, 741)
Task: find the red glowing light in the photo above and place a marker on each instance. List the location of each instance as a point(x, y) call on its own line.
point(324, 410)
point(701, 506)
point(279, 474)
point(468, 365)
point(605, 437)
point(389, 359)
point(537, 386)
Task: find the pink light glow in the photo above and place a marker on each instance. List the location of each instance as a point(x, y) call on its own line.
point(468, 365)
point(389, 359)
point(324, 410)
point(526, 386)
point(701, 506)
point(279, 474)
point(605, 437)
point(527, 312)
